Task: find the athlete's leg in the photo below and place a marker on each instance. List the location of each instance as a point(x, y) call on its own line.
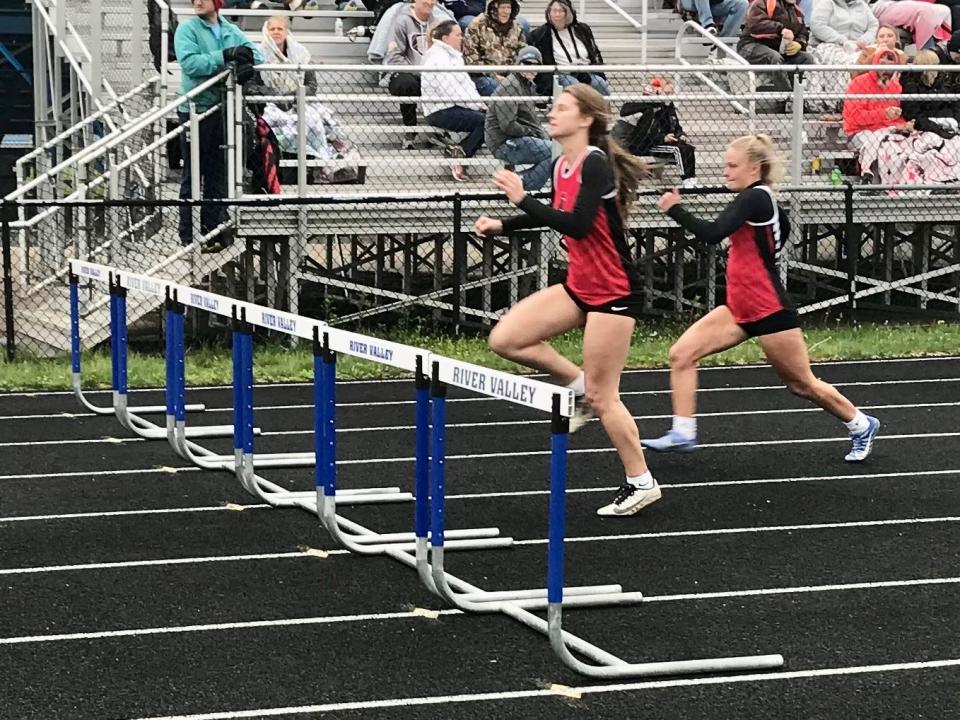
point(715, 331)
point(606, 342)
point(520, 335)
point(787, 353)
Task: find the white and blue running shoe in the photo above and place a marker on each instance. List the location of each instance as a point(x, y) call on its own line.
point(671, 442)
point(862, 443)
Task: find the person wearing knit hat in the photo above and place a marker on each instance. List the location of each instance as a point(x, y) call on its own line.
point(205, 46)
point(514, 130)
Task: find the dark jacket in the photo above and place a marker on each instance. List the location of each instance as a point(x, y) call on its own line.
point(643, 125)
point(542, 39)
point(951, 81)
point(507, 120)
point(465, 8)
point(155, 31)
point(921, 110)
point(766, 19)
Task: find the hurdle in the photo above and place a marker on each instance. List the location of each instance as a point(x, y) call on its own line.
point(327, 344)
point(101, 274)
point(518, 604)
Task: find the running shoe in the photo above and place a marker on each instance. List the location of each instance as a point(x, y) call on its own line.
point(582, 414)
point(630, 499)
point(862, 443)
point(671, 442)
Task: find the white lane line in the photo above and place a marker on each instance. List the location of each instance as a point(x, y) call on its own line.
point(379, 617)
point(714, 483)
point(84, 441)
point(803, 589)
point(585, 451)
point(384, 403)
point(745, 530)
point(125, 513)
point(498, 423)
point(253, 624)
point(584, 690)
point(164, 562)
point(534, 541)
point(102, 473)
point(513, 493)
point(376, 381)
point(666, 391)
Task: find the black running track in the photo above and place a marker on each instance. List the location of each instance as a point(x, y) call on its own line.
point(130, 590)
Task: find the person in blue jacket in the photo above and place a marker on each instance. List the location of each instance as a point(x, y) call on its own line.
point(206, 45)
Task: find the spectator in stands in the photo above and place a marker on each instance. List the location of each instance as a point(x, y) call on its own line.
point(564, 40)
point(839, 31)
point(385, 16)
point(466, 10)
point(929, 114)
point(408, 42)
point(514, 131)
point(322, 138)
point(709, 12)
point(465, 112)
point(654, 129)
point(928, 22)
point(950, 55)
point(775, 33)
point(206, 45)
point(887, 39)
point(494, 38)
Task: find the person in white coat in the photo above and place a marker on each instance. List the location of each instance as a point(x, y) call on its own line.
point(457, 105)
point(839, 32)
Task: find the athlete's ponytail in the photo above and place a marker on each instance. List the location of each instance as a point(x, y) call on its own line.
point(760, 150)
point(628, 170)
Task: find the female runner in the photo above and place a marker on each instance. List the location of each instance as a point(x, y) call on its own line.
point(756, 306)
point(594, 181)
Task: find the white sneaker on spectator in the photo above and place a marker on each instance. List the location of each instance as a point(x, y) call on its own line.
point(294, 4)
point(690, 183)
point(459, 174)
point(711, 29)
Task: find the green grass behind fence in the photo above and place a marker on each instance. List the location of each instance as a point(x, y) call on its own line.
point(278, 363)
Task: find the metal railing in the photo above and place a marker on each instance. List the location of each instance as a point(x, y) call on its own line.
point(722, 50)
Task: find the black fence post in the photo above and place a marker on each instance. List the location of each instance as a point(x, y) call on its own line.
point(8, 285)
point(852, 242)
point(459, 262)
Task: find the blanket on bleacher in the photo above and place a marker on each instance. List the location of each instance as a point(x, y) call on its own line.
point(917, 158)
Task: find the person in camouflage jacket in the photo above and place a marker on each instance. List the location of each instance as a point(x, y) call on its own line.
point(494, 38)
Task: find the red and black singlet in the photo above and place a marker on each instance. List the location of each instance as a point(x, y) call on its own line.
point(584, 209)
point(757, 230)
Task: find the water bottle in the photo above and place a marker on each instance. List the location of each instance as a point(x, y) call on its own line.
point(836, 177)
point(338, 27)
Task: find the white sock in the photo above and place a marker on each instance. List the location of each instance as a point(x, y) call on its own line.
point(577, 385)
point(859, 424)
point(685, 427)
point(644, 482)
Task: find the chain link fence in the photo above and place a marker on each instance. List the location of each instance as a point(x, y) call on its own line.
point(850, 251)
